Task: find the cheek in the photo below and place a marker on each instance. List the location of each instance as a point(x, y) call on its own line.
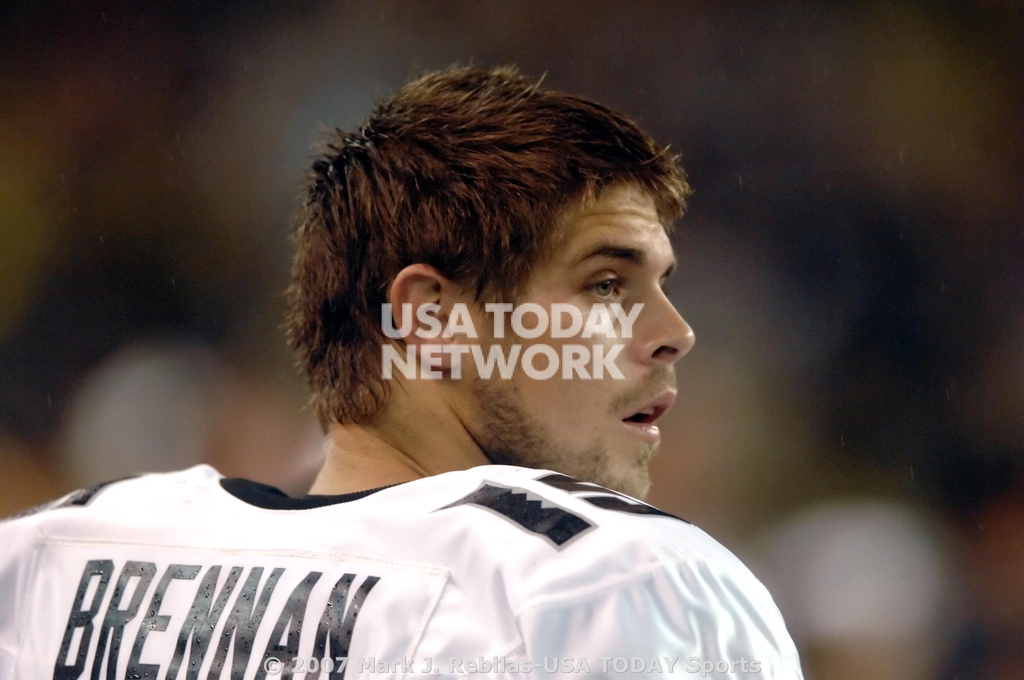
point(562, 399)
point(604, 362)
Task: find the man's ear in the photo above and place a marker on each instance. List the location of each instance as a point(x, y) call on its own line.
point(422, 300)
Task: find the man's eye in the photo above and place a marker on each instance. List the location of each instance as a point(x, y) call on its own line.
point(605, 288)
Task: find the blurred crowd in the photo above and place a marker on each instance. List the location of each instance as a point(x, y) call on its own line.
point(851, 420)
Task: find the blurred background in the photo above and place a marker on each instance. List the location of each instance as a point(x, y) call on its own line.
point(851, 421)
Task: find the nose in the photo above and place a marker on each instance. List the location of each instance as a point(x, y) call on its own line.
point(666, 336)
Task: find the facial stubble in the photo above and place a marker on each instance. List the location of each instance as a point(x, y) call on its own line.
point(509, 435)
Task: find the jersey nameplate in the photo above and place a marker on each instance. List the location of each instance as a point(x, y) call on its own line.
point(112, 612)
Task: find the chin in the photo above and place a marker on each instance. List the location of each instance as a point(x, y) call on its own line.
point(634, 481)
point(638, 486)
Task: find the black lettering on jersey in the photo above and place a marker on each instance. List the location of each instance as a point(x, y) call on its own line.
point(609, 500)
point(289, 623)
point(82, 618)
point(156, 621)
point(115, 619)
point(335, 629)
point(201, 621)
point(557, 524)
point(242, 623)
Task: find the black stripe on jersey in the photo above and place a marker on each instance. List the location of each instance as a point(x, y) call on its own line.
point(556, 524)
point(75, 498)
point(620, 505)
point(85, 496)
point(609, 500)
point(570, 484)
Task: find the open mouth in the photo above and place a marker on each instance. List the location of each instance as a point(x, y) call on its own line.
point(641, 422)
point(647, 415)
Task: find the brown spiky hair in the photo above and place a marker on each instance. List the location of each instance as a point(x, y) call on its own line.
point(466, 170)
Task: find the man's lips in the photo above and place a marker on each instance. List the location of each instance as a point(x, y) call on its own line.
point(641, 420)
point(652, 409)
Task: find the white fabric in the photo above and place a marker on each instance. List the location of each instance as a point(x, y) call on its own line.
point(632, 595)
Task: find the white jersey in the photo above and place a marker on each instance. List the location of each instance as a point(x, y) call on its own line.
point(491, 572)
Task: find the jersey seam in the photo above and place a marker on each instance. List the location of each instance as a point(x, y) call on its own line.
point(282, 552)
point(416, 639)
point(519, 645)
point(29, 593)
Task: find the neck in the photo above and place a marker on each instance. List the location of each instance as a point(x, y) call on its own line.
point(417, 436)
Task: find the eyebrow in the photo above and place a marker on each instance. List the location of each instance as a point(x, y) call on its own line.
point(615, 251)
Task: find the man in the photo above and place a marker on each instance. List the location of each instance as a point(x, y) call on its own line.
point(478, 305)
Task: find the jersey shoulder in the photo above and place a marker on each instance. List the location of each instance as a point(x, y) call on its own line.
point(579, 519)
point(599, 555)
point(125, 500)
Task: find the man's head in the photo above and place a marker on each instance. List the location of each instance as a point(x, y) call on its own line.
point(481, 184)
point(612, 251)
